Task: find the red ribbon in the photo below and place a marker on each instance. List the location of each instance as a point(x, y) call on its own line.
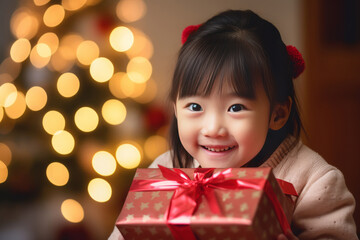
point(188, 192)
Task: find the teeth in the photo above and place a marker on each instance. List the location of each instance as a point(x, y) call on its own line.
point(218, 149)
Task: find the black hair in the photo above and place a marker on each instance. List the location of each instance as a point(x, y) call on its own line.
point(241, 49)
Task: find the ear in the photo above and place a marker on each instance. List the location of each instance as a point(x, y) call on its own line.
point(280, 114)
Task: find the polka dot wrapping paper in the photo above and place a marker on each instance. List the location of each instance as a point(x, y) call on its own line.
point(244, 213)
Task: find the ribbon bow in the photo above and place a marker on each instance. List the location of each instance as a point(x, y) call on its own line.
point(188, 195)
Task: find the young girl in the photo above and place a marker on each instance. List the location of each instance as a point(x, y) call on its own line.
point(235, 106)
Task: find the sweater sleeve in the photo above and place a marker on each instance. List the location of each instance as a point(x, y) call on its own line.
point(324, 209)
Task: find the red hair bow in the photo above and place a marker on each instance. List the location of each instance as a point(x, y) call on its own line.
point(296, 59)
point(187, 31)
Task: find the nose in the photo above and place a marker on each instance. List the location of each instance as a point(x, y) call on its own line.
point(213, 126)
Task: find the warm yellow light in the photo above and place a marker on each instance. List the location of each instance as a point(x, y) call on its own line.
point(57, 174)
point(128, 156)
point(149, 94)
point(87, 52)
point(24, 23)
point(72, 211)
point(115, 85)
point(86, 119)
point(113, 112)
point(63, 142)
point(17, 109)
point(69, 44)
point(139, 69)
point(20, 50)
point(51, 40)
point(54, 15)
point(68, 84)
point(5, 154)
point(40, 55)
point(130, 10)
point(41, 2)
point(53, 121)
point(8, 94)
point(59, 61)
point(154, 146)
point(142, 46)
point(36, 98)
point(121, 86)
point(3, 172)
point(101, 69)
point(72, 5)
point(104, 163)
point(99, 190)
point(121, 39)
point(1, 114)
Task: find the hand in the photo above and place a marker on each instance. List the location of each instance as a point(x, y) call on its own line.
point(287, 236)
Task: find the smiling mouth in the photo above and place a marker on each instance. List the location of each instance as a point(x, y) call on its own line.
point(218, 149)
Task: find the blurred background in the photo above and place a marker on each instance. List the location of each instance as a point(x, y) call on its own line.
point(83, 100)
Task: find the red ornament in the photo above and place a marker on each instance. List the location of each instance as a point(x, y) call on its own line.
point(187, 31)
point(155, 118)
point(296, 59)
point(105, 24)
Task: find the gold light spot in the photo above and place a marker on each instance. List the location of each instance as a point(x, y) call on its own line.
point(113, 112)
point(24, 23)
point(63, 142)
point(36, 98)
point(149, 94)
point(104, 163)
point(1, 113)
point(128, 156)
point(87, 52)
point(8, 94)
point(86, 119)
point(17, 109)
point(139, 69)
point(121, 39)
point(101, 69)
point(121, 86)
point(154, 146)
point(3, 172)
point(40, 55)
point(72, 211)
point(51, 40)
point(57, 174)
point(59, 62)
point(68, 84)
point(5, 154)
point(72, 5)
point(54, 15)
point(69, 44)
point(41, 2)
point(130, 10)
point(99, 190)
point(20, 50)
point(53, 121)
point(142, 46)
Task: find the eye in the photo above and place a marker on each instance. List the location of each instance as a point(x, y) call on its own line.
point(236, 108)
point(194, 107)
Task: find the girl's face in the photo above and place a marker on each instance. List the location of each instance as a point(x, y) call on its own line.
point(223, 130)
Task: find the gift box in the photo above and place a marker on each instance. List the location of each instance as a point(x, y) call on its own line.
point(236, 203)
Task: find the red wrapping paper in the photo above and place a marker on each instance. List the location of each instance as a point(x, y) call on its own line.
point(225, 210)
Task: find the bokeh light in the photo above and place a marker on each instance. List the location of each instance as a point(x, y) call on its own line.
point(9, 69)
point(87, 52)
point(72, 211)
point(54, 15)
point(154, 146)
point(113, 112)
point(60, 62)
point(121, 86)
point(51, 40)
point(24, 23)
point(128, 156)
point(5, 154)
point(3, 172)
point(72, 5)
point(17, 109)
point(41, 2)
point(36, 98)
point(69, 44)
point(86, 119)
point(8, 94)
point(99, 190)
point(68, 84)
point(53, 121)
point(130, 10)
point(20, 50)
point(149, 94)
point(139, 69)
point(101, 69)
point(142, 46)
point(40, 55)
point(57, 174)
point(63, 142)
point(121, 39)
point(104, 163)
point(1, 113)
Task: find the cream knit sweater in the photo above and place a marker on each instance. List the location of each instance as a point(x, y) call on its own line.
point(324, 208)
